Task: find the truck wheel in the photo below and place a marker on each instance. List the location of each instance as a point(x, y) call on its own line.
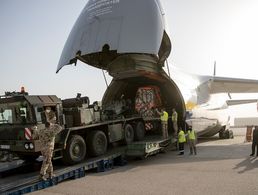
point(97, 143)
point(129, 134)
point(75, 150)
point(139, 132)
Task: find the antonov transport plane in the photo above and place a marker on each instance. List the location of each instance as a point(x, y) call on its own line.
point(128, 38)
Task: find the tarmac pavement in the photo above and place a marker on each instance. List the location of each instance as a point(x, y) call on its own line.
point(220, 167)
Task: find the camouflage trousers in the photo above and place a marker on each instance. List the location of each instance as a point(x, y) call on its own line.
point(47, 166)
point(164, 129)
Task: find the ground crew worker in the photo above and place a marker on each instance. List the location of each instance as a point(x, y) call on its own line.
point(192, 137)
point(181, 141)
point(164, 122)
point(174, 121)
point(47, 141)
point(255, 141)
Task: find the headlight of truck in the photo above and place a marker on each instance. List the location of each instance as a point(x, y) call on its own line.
point(26, 146)
point(31, 146)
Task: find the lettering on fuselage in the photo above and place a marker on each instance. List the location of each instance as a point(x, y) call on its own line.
point(102, 7)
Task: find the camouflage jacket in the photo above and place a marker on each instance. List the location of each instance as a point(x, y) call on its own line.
point(46, 136)
point(51, 117)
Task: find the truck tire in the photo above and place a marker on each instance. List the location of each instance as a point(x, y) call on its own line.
point(97, 143)
point(75, 150)
point(139, 131)
point(128, 134)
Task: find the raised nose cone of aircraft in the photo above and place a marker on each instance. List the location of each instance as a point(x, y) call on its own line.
point(128, 39)
point(107, 29)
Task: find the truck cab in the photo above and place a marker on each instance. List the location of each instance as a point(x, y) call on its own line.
point(19, 113)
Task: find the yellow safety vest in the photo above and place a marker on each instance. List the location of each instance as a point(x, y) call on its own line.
point(181, 136)
point(174, 116)
point(191, 134)
point(164, 117)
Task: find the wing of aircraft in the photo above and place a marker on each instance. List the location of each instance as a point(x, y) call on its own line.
point(230, 85)
point(237, 102)
point(215, 94)
point(226, 85)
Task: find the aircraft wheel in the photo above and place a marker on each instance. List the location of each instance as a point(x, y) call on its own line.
point(97, 143)
point(224, 134)
point(221, 135)
point(128, 134)
point(227, 134)
point(75, 150)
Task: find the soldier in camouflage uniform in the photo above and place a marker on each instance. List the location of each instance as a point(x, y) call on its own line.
point(50, 115)
point(46, 137)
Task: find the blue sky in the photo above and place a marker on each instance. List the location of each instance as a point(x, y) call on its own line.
point(33, 33)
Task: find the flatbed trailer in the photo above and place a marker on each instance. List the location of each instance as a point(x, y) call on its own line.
point(29, 182)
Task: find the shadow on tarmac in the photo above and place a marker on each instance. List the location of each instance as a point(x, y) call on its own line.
point(205, 153)
point(247, 164)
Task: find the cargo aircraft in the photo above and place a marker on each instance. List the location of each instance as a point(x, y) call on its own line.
point(128, 39)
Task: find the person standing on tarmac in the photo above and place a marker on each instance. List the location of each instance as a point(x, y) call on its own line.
point(164, 122)
point(192, 137)
point(181, 141)
point(46, 137)
point(255, 141)
point(174, 121)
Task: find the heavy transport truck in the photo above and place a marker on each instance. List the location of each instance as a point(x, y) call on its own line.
point(88, 130)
